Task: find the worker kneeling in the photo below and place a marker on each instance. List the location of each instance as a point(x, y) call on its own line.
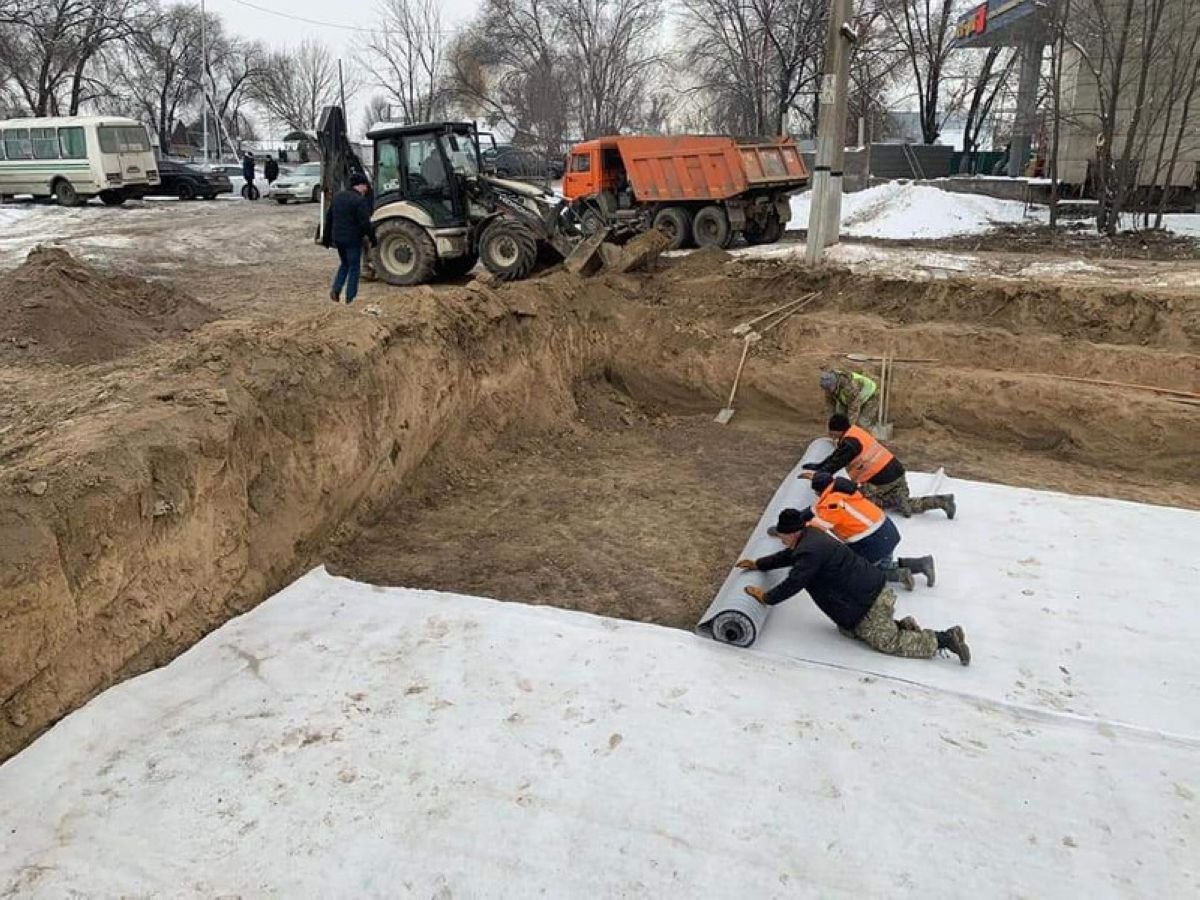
point(850, 591)
point(876, 469)
point(843, 511)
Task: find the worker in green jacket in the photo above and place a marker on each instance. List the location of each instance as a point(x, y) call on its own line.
point(851, 394)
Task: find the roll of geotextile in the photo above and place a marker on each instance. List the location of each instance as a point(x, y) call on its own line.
point(734, 617)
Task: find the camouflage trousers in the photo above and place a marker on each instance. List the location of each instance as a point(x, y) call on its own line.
point(880, 631)
point(894, 495)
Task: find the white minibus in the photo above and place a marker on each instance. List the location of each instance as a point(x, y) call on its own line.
point(76, 158)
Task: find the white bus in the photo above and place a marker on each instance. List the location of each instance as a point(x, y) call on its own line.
point(76, 158)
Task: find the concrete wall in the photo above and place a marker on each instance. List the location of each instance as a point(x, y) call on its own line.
point(1161, 117)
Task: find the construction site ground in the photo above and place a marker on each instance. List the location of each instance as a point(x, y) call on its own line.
point(173, 452)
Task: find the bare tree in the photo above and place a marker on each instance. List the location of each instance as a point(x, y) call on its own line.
point(924, 28)
point(753, 58)
point(875, 66)
point(404, 56)
point(510, 70)
point(158, 70)
point(612, 60)
point(229, 74)
point(50, 46)
point(985, 87)
point(296, 84)
point(378, 109)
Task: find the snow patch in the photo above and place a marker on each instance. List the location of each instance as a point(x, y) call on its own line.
point(903, 211)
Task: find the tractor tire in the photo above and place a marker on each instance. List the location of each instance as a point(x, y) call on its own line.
point(676, 224)
point(406, 254)
point(112, 198)
point(457, 266)
point(508, 249)
point(711, 228)
point(65, 194)
point(768, 233)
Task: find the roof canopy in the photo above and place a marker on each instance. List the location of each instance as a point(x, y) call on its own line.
point(1004, 23)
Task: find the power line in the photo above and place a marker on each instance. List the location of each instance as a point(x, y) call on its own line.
point(282, 15)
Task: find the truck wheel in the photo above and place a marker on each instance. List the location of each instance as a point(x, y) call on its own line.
point(508, 250)
point(406, 253)
point(65, 194)
point(457, 266)
point(711, 228)
point(676, 224)
point(768, 232)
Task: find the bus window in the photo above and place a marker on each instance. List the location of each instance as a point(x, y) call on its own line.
point(71, 143)
point(44, 142)
point(123, 139)
point(16, 144)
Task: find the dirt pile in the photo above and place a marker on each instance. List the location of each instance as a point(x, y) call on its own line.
point(56, 308)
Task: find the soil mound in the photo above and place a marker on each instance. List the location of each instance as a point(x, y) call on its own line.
point(56, 308)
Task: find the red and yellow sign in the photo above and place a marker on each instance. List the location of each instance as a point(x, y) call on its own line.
point(974, 23)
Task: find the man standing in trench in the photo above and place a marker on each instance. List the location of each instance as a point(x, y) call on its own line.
point(851, 592)
point(851, 394)
point(347, 224)
point(876, 469)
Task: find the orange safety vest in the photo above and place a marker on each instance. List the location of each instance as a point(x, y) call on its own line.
point(851, 517)
point(873, 458)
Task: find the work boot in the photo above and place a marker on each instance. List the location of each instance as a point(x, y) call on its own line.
point(333, 295)
point(901, 575)
point(947, 505)
point(955, 641)
point(920, 566)
point(908, 623)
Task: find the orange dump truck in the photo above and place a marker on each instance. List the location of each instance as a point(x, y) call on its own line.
point(696, 189)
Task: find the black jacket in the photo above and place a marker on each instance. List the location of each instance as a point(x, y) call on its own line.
point(841, 583)
point(348, 219)
point(248, 168)
point(270, 170)
point(846, 450)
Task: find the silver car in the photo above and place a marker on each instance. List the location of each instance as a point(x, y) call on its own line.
point(300, 185)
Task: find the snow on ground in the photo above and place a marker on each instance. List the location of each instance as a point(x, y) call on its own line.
point(1187, 224)
point(901, 210)
point(350, 740)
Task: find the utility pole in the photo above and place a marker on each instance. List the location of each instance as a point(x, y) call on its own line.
point(204, 75)
point(825, 210)
point(342, 92)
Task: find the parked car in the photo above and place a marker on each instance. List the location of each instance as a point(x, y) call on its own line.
point(188, 182)
point(233, 172)
point(508, 161)
point(299, 185)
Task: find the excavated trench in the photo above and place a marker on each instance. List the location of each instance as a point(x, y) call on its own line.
point(549, 442)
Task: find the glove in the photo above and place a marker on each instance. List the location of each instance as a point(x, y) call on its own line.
point(807, 476)
point(757, 593)
point(747, 564)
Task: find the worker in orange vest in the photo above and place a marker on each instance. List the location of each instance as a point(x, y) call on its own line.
point(843, 511)
point(876, 470)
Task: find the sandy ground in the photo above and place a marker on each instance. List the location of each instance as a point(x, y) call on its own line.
point(544, 440)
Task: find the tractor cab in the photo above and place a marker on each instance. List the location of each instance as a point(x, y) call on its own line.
point(427, 165)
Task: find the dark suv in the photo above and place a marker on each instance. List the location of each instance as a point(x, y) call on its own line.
point(516, 162)
point(188, 182)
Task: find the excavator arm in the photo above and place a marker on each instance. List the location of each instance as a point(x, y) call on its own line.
point(338, 158)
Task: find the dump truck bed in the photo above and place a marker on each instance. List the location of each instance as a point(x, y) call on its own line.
point(708, 168)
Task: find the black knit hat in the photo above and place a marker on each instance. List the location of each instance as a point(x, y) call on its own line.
point(821, 480)
point(789, 522)
point(358, 178)
point(838, 422)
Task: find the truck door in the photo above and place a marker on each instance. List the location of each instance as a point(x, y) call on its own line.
point(582, 178)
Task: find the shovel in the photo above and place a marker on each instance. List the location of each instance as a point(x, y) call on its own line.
point(727, 412)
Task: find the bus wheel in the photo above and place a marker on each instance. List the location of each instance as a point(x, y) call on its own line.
point(65, 193)
point(111, 198)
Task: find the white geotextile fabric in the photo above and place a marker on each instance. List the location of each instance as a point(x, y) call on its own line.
point(348, 740)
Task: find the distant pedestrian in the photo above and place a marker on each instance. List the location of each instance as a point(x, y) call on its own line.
point(249, 191)
point(347, 223)
point(270, 171)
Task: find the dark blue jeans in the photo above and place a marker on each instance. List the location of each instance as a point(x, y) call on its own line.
point(348, 271)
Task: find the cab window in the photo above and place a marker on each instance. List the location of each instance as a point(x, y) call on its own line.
point(581, 162)
point(387, 168)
